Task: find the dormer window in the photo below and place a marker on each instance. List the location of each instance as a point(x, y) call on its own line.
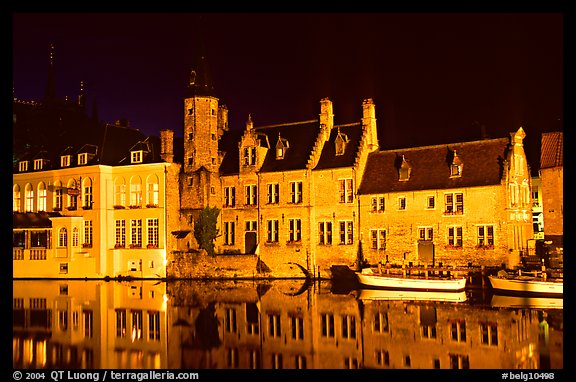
point(456, 166)
point(23, 166)
point(405, 170)
point(281, 147)
point(65, 161)
point(38, 164)
point(249, 156)
point(82, 158)
point(340, 143)
point(136, 156)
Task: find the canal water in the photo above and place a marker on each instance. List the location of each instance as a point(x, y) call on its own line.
point(281, 324)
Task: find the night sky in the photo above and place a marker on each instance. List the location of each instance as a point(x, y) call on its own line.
point(435, 78)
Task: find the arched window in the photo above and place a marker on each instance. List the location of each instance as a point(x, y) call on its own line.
point(63, 237)
point(87, 194)
point(29, 202)
point(135, 191)
point(152, 190)
point(41, 197)
point(120, 192)
point(58, 196)
point(75, 236)
point(16, 198)
point(72, 196)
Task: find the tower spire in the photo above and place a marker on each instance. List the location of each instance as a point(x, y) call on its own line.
point(50, 93)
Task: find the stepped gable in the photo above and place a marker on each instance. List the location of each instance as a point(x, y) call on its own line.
point(482, 165)
point(328, 157)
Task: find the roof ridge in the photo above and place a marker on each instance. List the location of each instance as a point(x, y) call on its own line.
point(439, 145)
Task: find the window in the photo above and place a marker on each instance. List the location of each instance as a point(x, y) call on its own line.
point(82, 158)
point(65, 161)
point(425, 233)
point(455, 236)
point(345, 187)
point(295, 226)
point(455, 170)
point(382, 358)
point(402, 203)
point(485, 235)
point(23, 166)
point(430, 202)
point(251, 195)
point(327, 325)
point(325, 233)
point(38, 164)
point(458, 361)
point(274, 328)
point(137, 325)
point(297, 324)
point(75, 236)
point(249, 156)
point(29, 198)
point(58, 196)
point(153, 229)
point(152, 189)
point(380, 324)
point(16, 198)
point(272, 231)
point(276, 361)
point(88, 233)
point(136, 156)
point(428, 331)
point(346, 232)
point(458, 330)
point(64, 268)
point(378, 239)
point(41, 197)
point(404, 170)
point(121, 323)
point(87, 197)
point(62, 237)
point(340, 143)
point(154, 326)
point(229, 196)
point(377, 204)
point(229, 230)
point(136, 233)
point(251, 225)
point(88, 316)
point(72, 192)
point(348, 326)
point(489, 333)
point(273, 193)
point(300, 362)
point(189, 181)
point(120, 234)
point(135, 192)
point(454, 203)
point(295, 192)
point(119, 193)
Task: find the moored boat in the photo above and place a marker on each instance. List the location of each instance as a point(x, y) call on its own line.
point(534, 302)
point(409, 295)
point(527, 284)
point(415, 282)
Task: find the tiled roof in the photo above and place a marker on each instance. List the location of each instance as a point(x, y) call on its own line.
point(33, 219)
point(552, 150)
point(229, 144)
point(329, 159)
point(482, 165)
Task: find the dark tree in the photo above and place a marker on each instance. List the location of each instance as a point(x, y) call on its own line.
point(205, 230)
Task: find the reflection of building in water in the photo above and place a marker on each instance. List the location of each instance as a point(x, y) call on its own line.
point(243, 325)
point(78, 324)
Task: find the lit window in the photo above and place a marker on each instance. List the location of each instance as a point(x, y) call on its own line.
point(425, 233)
point(346, 190)
point(38, 164)
point(23, 166)
point(82, 158)
point(65, 161)
point(136, 156)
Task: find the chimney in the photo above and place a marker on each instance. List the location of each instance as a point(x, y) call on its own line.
point(326, 117)
point(167, 145)
point(369, 123)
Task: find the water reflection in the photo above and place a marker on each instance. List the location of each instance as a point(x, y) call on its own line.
point(284, 324)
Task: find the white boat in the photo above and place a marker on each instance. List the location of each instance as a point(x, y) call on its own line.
point(409, 295)
point(535, 302)
point(527, 284)
point(418, 282)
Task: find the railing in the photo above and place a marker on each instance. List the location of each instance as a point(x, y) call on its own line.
point(38, 254)
point(18, 253)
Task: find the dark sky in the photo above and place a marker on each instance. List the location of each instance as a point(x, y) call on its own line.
point(435, 78)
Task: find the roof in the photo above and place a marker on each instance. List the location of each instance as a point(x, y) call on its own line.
point(328, 157)
point(33, 219)
point(552, 151)
point(430, 167)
